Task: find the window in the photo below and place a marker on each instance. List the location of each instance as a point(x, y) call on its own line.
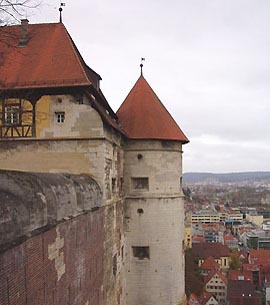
point(12, 114)
point(113, 184)
point(140, 183)
point(141, 252)
point(114, 265)
point(121, 184)
point(60, 117)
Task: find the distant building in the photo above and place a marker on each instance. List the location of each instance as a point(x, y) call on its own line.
point(219, 252)
point(230, 241)
point(238, 275)
point(193, 300)
point(266, 226)
point(256, 239)
point(216, 283)
point(266, 293)
point(188, 236)
point(196, 239)
point(207, 298)
point(242, 293)
point(205, 216)
point(208, 266)
point(255, 271)
point(255, 219)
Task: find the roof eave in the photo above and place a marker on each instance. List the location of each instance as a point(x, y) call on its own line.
point(159, 139)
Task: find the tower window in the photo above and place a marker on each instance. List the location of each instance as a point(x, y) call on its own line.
point(114, 265)
point(141, 252)
point(140, 183)
point(60, 117)
point(113, 184)
point(121, 184)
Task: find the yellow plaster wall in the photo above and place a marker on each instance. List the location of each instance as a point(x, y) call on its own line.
point(188, 237)
point(42, 114)
point(81, 120)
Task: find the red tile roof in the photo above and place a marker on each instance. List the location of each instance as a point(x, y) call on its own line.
point(193, 300)
point(228, 237)
point(250, 267)
point(204, 250)
point(218, 273)
point(205, 297)
point(143, 116)
point(238, 275)
point(259, 257)
point(210, 264)
point(49, 59)
point(198, 238)
point(242, 292)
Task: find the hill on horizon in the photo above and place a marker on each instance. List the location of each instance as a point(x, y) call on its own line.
point(200, 177)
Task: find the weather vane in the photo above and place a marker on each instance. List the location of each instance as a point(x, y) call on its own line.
point(60, 10)
point(141, 65)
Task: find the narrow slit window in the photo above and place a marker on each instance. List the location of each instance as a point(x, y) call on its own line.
point(113, 185)
point(114, 265)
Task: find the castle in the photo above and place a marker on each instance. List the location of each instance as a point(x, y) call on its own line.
point(91, 202)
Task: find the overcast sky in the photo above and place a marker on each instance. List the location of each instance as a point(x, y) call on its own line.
point(207, 60)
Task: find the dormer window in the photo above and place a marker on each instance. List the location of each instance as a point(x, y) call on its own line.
point(60, 117)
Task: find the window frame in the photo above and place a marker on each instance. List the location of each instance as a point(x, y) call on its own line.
point(11, 117)
point(60, 117)
point(141, 252)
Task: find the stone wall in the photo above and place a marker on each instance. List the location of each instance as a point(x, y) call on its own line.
point(33, 201)
point(60, 244)
point(154, 226)
point(61, 266)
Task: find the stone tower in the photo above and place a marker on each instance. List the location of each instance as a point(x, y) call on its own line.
point(154, 214)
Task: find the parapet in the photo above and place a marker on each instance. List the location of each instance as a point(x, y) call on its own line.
point(32, 202)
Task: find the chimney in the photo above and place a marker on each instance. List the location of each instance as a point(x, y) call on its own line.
point(24, 33)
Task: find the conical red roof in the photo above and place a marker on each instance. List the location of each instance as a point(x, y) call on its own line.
point(143, 116)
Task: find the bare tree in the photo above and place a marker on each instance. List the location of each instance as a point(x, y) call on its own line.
point(13, 10)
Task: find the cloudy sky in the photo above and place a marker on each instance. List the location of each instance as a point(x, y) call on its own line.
point(207, 60)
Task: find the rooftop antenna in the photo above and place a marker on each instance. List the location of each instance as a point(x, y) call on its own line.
point(141, 65)
point(60, 10)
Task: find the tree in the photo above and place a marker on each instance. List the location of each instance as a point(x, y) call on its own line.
point(193, 278)
point(13, 10)
point(235, 260)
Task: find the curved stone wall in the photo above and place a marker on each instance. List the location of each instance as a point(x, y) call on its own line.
point(30, 202)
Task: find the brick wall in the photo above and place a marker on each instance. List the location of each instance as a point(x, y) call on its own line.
point(61, 266)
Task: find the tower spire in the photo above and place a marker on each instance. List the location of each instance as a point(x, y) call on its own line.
point(141, 65)
point(60, 10)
